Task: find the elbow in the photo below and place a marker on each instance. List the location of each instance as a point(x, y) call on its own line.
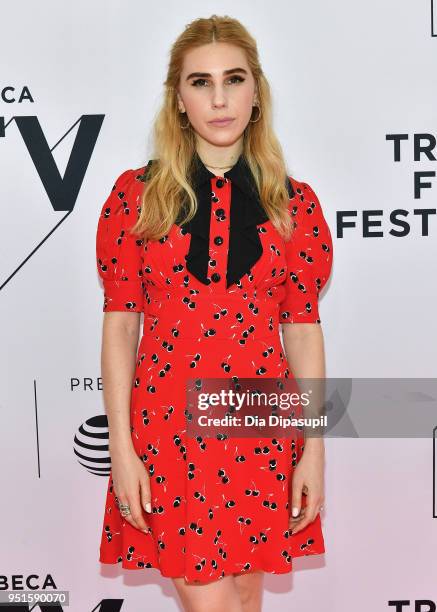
point(123, 322)
point(299, 331)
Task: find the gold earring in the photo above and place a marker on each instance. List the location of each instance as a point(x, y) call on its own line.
point(259, 114)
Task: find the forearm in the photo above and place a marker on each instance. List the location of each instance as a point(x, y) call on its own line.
point(305, 352)
point(118, 357)
point(304, 349)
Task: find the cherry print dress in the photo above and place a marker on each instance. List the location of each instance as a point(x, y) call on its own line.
point(213, 293)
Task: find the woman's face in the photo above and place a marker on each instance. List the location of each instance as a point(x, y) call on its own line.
point(216, 83)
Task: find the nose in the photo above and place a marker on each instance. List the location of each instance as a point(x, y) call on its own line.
point(218, 97)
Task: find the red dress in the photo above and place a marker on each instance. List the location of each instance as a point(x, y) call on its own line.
point(210, 323)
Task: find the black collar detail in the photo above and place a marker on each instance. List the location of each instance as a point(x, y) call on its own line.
point(246, 213)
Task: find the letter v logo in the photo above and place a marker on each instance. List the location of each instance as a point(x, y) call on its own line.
point(62, 192)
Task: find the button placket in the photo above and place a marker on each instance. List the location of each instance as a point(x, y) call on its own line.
point(219, 231)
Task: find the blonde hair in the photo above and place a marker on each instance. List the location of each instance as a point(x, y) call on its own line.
point(167, 181)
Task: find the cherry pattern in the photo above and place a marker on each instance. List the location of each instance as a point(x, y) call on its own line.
point(220, 505)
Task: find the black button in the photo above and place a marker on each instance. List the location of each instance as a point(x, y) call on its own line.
point(215, 277)
point(218, 240)
point(220, 182)
point(220, 212)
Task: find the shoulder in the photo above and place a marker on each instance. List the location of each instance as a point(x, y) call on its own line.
point(120, 205)
point(309, 222)
point(302, 190)
point(142, 173)
point(304, 202)
point(120, 187)
point(126, 190)
point(311, 240)
point(132, 177)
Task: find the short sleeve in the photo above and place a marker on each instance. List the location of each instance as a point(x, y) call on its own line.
point(309, 257)
point(118, 252)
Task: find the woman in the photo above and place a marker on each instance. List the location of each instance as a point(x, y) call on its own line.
point(214, 282)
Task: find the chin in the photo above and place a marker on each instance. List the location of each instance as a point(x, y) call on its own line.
point(224, 137)
point(226, 140)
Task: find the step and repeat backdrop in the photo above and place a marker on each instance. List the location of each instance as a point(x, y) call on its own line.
point(355, 93)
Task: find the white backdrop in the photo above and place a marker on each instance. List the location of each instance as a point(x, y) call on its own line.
point(344, 76)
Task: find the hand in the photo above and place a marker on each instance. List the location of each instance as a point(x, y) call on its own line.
point(131, 486)
point(307, 480)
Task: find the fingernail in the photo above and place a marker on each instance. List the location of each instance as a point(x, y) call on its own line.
point(148, 507)
point(295, 511)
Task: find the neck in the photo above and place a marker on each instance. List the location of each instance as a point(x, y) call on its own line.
point(218, 158)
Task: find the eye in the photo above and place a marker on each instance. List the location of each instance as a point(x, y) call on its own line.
point(239, 78)
point(195, 83)
point(199, 82)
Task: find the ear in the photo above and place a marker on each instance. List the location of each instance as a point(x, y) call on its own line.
point(180, 103)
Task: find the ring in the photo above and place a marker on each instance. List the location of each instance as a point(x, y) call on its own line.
point(124, 509)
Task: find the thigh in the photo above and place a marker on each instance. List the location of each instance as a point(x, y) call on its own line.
point(250, 590)
point(214, 596)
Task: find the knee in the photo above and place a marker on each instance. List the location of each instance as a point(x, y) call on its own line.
point(247, 596)
point(250, 591)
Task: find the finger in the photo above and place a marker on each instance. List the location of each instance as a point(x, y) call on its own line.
point(137, 514)
point(293, 521)
point(123, 499)
point(310, 515)
point(129, 520)
point(296, 499)
point(145, 495)
point(298, 518)
point(300, 526)
point(132, 518)
point(295, 527)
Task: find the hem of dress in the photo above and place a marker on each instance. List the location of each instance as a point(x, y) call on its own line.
point(163, 573)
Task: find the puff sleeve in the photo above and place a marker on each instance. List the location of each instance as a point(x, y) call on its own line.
point(119, 253)
point(309, 257)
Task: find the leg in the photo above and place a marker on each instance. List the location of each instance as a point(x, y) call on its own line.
point(250, 589)
point(214, 596)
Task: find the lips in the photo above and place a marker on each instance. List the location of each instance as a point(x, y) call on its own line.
point(224, 121)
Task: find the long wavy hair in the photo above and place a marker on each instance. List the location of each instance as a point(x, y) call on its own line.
point(167, 188)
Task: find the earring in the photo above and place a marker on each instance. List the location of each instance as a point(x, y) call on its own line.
point(259, 114)
point(184, 127)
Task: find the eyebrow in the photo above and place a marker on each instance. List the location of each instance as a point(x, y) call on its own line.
point(207, 74)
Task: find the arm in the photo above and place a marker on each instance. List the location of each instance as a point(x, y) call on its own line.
point(309, 263)
point(305, 352)
point(118, 359)
point(304, 348)
point(119, 345)
point(119, 264)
